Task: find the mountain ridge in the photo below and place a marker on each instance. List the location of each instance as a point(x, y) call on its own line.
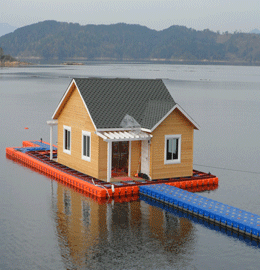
point(121, 41)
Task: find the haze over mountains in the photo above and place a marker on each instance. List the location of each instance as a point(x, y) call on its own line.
point(58, 40)
point(6, 28)
point(255, 31)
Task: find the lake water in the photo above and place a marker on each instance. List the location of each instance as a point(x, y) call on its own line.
point(45, 225)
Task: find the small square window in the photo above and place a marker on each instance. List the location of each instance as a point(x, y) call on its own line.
point(67, 139)
point(86, 145)
point(172, 149)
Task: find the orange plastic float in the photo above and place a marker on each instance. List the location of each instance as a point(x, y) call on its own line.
point(39, 161)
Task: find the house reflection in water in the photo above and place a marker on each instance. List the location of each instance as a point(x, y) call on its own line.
point(91, 234)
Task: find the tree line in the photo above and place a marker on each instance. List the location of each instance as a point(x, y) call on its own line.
point(5, 58)
point(58, 40)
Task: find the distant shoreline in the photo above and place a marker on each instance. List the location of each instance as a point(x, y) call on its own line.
point(9, 61)
point(82, 61)
point(13, 64)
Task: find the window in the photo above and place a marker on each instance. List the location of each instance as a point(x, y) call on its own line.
point(86, 141)
point(67, 139)
point(172, 149)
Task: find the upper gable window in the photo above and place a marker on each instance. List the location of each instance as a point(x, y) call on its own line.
point(86, 145)
point(67, 139)
point(172, 153)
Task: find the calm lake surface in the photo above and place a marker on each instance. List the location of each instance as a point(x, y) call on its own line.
point(45, 225)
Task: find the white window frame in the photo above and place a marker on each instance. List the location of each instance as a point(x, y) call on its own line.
point(84, 157)
point(67, 151)
point(172, 161)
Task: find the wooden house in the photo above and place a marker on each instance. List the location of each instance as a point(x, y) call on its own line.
point(110, 127)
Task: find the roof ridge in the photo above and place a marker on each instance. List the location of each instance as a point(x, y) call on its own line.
point(116, 78)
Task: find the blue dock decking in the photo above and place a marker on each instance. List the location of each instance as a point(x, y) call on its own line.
point(42, 146)
point(223, 214)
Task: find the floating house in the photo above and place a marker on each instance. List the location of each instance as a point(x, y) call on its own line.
point(121, 127)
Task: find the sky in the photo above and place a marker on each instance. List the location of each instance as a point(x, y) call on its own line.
point(216, 15)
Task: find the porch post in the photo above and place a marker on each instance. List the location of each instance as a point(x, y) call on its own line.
point(51, 123)
point(51, 144)
point(109, 160)
point(129, 158)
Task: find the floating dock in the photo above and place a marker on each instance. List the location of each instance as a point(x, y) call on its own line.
point(36, 155)
point(213, 211)
point(201, 221)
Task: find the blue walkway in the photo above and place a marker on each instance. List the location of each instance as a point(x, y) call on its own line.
point(201, 221)
point(42, 147)
point(212, 210)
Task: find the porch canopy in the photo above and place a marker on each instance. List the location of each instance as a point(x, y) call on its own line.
point(119, 136)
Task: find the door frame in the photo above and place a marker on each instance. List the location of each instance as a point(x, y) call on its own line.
point(145, 158)
point(120, 153)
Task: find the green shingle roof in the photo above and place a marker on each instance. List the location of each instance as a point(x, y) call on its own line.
point(110, 100)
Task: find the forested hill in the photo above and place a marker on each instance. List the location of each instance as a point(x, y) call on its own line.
point(8, 60)
point(58, 40)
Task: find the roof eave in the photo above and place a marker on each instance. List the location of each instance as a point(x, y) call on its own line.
point(86, 106)
point(54, 116)
point(63, 98)
point(176, 106)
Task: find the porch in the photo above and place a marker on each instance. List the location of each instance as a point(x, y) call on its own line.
point(119, 152)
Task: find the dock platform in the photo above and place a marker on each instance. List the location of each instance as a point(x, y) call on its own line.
point(248, 240)
point(36, 155)
point(211, 210)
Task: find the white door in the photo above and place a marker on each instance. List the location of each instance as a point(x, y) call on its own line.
point(145, 168)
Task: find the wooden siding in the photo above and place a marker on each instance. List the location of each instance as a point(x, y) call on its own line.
point(102, 168)
point(175, 123)
point(135, 157)
point(75, 115)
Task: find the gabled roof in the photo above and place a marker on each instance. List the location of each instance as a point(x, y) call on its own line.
point(109, 101)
